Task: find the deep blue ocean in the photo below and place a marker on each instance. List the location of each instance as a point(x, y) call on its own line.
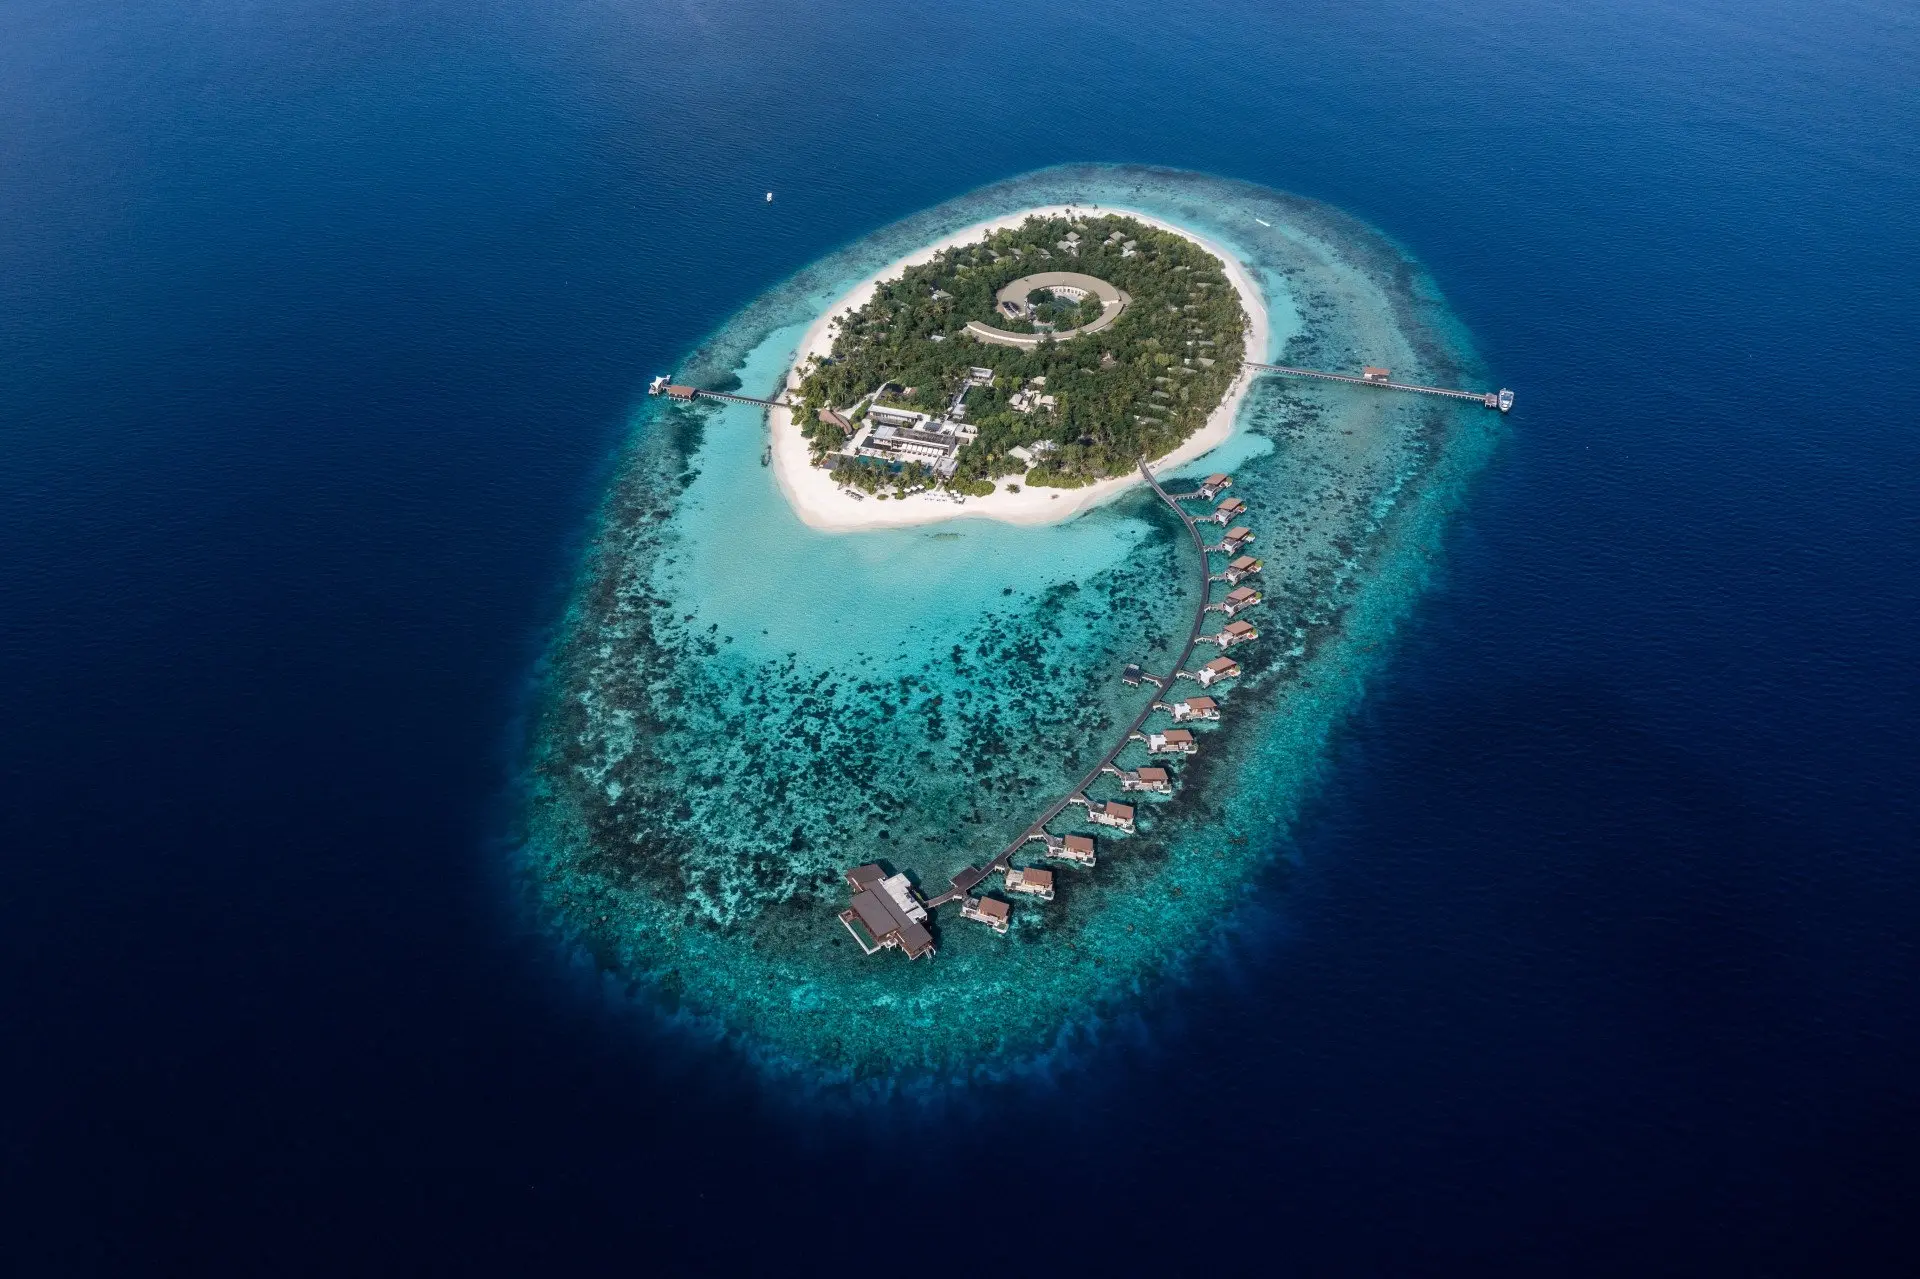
point(321, 325)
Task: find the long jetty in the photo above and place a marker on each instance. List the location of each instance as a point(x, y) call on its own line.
point(1501, 399)
point(738, 399)
point(888, 906)
point(663, 385)
point(967, 879)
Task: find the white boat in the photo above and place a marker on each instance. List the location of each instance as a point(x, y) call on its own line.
point(1506, 399)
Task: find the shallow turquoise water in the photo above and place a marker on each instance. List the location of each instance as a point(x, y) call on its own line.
point(741, 707)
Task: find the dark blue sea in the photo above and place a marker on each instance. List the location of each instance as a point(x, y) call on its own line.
point(321, 326)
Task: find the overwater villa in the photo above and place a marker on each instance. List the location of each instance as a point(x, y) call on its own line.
point(1218, 669)
point(1239, 600)
point(1031, 880)
point(1231, 509)
point(1148, 779)
point(1174, 741)
point(1072, 848)
point(889, 912)
point(1235, 539)
point(1194, 708)
point(1112, 813)
point(1244, 566)
point(990, 911)
point(1233, 633)
point(1213, 486)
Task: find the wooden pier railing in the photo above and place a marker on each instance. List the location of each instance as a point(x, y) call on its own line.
point(740, 399)
point(964, 882)
point(1501, 399)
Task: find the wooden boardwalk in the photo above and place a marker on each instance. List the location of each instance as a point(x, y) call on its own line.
point(1502, 400)
point(964, 882)
point(741, 399)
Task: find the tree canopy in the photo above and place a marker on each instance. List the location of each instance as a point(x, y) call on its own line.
point(1136, 389)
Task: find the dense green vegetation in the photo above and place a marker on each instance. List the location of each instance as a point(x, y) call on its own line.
point(1062, 312)
point(1134, 390)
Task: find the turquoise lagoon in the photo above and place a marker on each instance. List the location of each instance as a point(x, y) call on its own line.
point(739, 707)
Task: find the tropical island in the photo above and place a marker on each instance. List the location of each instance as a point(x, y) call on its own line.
point(1036, 354)
point(743, 704)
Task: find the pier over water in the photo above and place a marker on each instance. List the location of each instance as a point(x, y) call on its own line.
point(887, 907)
point(1383, 378)
point(673, 391)
point(1114, 814)
point(971, 876)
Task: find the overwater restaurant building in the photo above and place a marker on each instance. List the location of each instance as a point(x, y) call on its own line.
point(889, 912)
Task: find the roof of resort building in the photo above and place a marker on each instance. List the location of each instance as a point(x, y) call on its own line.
point(1078, 843)
point(1215, 480)
point(1202, 704)
point(1241, 534)
point(1011, 299)
point(886, 915)
point(897, 416)
point(1177, 735)
point(873, 912)
point(1034, 877)
point(1151, 774)
point(913, 435)
point(899, 889)
point(991, 908)
point(1238, 628)
point(1244, 563)
point(1240, 593)
point(1114, 808)
point(1222, 664)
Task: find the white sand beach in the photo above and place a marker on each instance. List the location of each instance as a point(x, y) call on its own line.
point(823, 504)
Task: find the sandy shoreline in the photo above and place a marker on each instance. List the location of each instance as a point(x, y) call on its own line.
point(821, 503)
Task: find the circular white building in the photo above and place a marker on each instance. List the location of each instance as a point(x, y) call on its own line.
point(1012, 302)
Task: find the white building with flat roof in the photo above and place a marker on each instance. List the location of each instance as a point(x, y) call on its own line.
point(935, 450)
